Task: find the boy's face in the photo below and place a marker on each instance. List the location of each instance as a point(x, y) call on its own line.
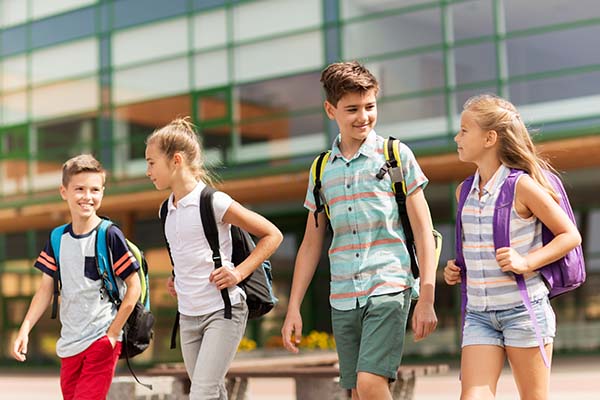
point(355, 114)
point(158, 167)
point(84, 194)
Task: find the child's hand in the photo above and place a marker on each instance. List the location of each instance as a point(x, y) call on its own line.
point(424, 320)
point(291, 332)
point(20, 348)
point(225, 277)
point(171, 286)
point(452, 273)
point(511, 261)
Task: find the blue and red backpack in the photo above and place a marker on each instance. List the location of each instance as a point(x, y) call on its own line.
point(561, 276)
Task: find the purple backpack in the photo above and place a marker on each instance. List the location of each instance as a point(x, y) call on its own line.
point(561, 276)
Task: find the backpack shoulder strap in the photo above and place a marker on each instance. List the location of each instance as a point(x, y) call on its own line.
point(502, 210)
point(501, 229)
point(104, 262)
point(465, 188)
point(462, 198)
point(55, 238)
point(393, 166)
point(209, 224)
point(316, 171)
point(163, 219)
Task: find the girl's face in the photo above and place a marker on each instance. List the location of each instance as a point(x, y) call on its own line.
point(470, 139)
point(158, 168)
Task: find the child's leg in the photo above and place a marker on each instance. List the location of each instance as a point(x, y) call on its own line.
point(70, 369)
point(482, 355)
point(382, 342)
point(99, 362)
point(531, 374)
point(480, 368)
point(221, 338)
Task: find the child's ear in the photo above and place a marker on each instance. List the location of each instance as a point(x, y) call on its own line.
point(329, 109)
point(491, 138)
point(63, 192)
point(177, 159)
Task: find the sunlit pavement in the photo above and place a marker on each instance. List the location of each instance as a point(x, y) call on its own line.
point(573, 378)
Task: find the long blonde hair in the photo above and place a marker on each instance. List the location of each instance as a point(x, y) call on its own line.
point(179, 136)
point(516, 148)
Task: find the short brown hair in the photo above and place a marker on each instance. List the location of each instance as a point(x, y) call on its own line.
point(342, 78)
point(79, 164)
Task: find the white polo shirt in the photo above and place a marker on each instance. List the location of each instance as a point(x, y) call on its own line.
point(192, 255)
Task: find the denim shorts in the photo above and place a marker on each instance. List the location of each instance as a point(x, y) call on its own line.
point(511, 327)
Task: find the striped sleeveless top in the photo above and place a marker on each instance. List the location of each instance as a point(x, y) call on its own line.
point(488, 288)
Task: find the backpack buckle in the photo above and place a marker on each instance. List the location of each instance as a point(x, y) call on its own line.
point(396, 174)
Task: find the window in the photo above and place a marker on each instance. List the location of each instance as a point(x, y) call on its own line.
point(132, 125)
point(390, 34)
point(64, 98)
point(169, 38)
point(156, 80)
point(283, 16)
point(67, 60)
point(258, 60)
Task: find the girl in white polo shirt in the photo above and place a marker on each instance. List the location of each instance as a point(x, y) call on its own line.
point(209, 341)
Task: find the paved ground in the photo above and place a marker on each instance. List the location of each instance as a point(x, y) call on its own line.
point(573, 378)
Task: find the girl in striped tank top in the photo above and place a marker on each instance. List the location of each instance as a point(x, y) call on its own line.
point(497, 325)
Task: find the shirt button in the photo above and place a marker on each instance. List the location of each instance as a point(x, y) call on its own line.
point(347, 164)
point(354, 232)
point(349, 208)
point(357, 255)
point(348, 186)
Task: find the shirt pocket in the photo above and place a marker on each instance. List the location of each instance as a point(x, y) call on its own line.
point(91, 271)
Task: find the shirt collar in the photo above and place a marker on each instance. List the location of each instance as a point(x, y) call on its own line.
point(368, 148)
point(495, 181)
point(190, 199)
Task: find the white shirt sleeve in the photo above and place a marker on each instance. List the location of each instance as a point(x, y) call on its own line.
point(221, 203)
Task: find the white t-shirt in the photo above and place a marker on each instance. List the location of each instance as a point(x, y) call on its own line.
point(192, 255)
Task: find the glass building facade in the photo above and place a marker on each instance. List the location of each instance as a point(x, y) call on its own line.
point(99, 76)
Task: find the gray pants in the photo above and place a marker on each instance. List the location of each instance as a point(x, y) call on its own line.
point(208, 344)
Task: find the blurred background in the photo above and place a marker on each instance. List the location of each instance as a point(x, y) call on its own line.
point(99, 76)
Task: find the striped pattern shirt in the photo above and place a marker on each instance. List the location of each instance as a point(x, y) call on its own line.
point(488, 288)
point(367, 256)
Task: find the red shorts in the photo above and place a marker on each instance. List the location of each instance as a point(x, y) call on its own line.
point(88, 375)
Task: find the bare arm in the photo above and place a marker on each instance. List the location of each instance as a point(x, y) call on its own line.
point(307, 260)
point(269, 239)
point(131, 296)
point(424, 318)
point(531, 199)
point(38, 305)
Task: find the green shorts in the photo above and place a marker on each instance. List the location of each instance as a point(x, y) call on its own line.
point(371, 338)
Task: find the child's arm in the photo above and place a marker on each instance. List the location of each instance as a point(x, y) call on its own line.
point(269, 238)
point(307, 260)
point(131, 296)
point(38, 305)
point(532, 199)
point(424, 319)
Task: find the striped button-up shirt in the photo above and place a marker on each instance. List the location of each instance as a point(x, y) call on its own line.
point(488, 288)
point(367, 255)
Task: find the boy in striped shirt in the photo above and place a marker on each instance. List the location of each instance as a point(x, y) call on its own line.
point(371, 277)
